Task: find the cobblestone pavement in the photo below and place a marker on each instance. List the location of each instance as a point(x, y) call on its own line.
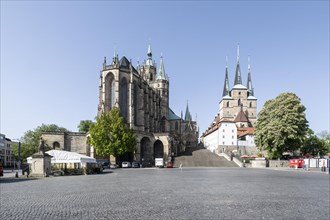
point(190, 193)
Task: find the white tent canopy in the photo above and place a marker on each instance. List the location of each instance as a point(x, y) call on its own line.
point(61, 156)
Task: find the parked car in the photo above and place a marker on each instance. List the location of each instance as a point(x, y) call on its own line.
point(135, 164)
point(146, 164)
point(105, 165)
point(169, 164)
point(126, 164)
point(113, 166)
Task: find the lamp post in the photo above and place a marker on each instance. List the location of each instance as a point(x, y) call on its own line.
point(19, 154)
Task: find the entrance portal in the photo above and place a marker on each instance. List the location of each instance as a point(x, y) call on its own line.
point(158, 149)
point(145, 149)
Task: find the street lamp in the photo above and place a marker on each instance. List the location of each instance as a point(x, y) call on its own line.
point(19, 154)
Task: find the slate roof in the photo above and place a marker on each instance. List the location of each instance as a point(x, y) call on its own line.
point(124, 62)
point(172, 115)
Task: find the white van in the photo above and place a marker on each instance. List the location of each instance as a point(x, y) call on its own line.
point(159, 162)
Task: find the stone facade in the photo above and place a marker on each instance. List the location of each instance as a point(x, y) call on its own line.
point(142, 95)
point(69, 141)
point(232, 130)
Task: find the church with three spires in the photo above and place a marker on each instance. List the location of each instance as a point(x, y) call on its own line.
point(232, 129)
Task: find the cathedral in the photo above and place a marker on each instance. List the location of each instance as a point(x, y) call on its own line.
point(232, 129)
point(142, 95)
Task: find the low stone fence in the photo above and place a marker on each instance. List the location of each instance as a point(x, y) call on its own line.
point(258, 163)
point(279, 163)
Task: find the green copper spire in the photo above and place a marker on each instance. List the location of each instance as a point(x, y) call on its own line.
point(238, 77)
point(161, 72)
point(249, 81)
point(226, 85)
point(187, 116)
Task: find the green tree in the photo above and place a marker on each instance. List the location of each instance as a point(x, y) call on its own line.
point(313, 145)
point(281, 125)
point(111, 136)
point(84, 125)
point(30, 140)
point(325, 138)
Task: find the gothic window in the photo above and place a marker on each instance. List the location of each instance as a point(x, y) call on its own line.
point(163, 125)
point(135, 104)
point(250, 104)
point(112, 93)
point(227, 104)
point(239, 102)
point(123, 98)
point(151, 78)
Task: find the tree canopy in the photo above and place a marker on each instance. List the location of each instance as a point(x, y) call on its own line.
point(84, 125)
point(314, 146)
point(111, 136)
point(281, 125)
point(30, 140)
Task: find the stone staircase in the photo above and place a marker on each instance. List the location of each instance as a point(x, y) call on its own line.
point(201, 157)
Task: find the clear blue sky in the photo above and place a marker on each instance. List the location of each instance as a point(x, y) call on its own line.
point(52, 54)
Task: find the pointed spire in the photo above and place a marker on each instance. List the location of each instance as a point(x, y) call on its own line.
point(226, 84)
point(249, 81)
point(115, 59)
point(105, 62)
point(149, 61)
point(161, 72)
point(187, 116)
point(238, 77)
point(237, 52)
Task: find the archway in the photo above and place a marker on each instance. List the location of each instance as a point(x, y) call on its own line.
point(158, 149)
point(145, 150)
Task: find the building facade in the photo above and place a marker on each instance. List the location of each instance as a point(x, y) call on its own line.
point(6, 155)
point(232, 129)
point(142, 95)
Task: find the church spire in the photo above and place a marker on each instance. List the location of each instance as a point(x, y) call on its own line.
point(115, 59)
point(187, 116)
point(249, 81)
point(161, 71)
point(149, 61)
point(226, 84)
point(238, 78)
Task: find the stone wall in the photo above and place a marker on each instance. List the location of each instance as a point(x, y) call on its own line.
point(69, 141)
point(278, 163)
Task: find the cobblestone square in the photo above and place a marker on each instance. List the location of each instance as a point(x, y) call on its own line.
point(190, 193)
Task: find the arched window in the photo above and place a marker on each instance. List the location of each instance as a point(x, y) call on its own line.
point(112, 93)
point(250, 104)
point(56, 145)
point(163, 124)
point(227, 104)
point(123, 99)
point(135, 104)
point(239, 102)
